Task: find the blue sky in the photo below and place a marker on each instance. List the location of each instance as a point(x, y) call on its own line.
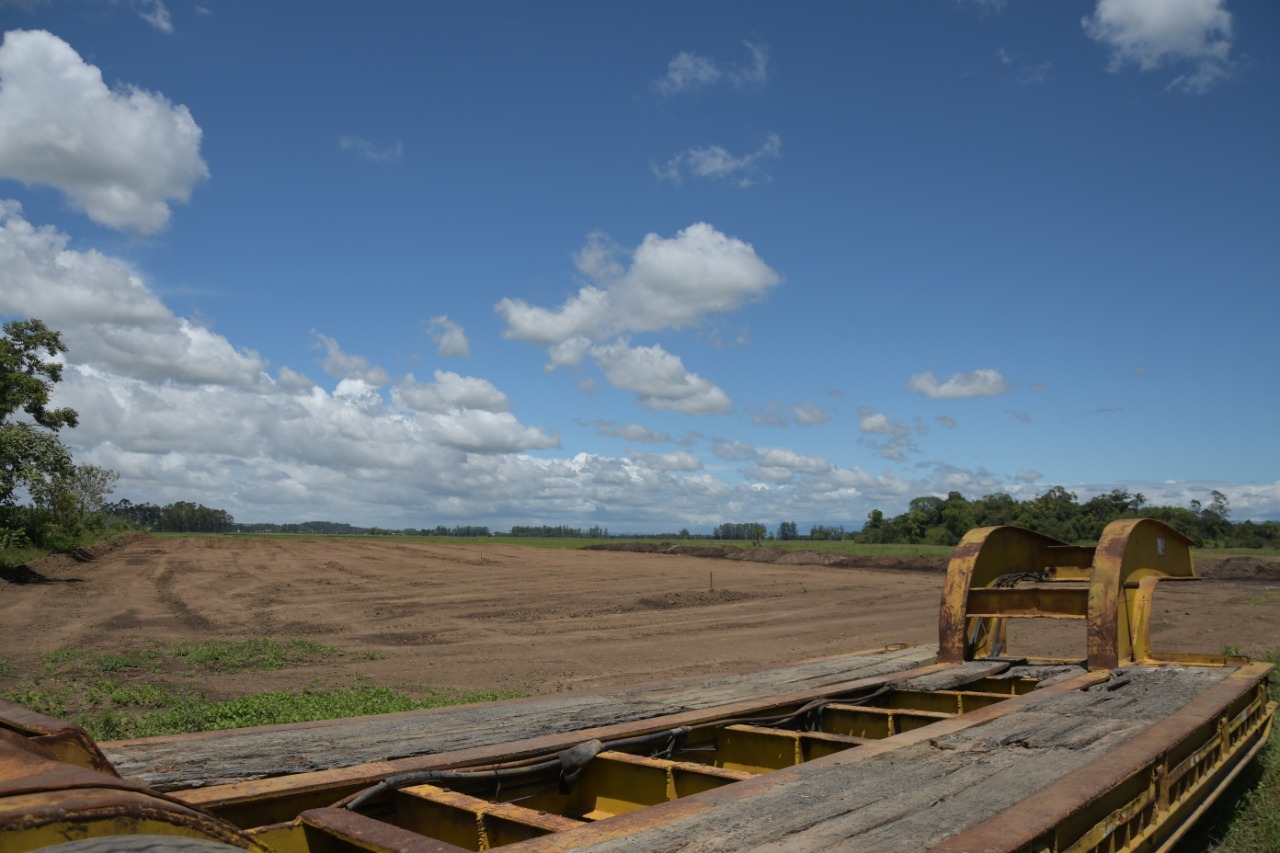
point(650, 265)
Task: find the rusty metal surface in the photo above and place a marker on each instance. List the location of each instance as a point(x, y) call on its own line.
point(1130, 549)
point(46, 799)
point(66, 741)
point(368, 834)
point(1121, 573)
point(1032, 824)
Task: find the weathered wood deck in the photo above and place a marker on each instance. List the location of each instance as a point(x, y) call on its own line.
point(239, 755)
point(913, 797)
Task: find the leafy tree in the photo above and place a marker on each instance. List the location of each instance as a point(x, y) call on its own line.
point(787, 531)
point(75, 497)
point(30, 453)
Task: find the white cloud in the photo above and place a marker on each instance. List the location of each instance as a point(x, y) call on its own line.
point(769, 414)
point(947, 421)
point(366, 150)
point(450, 391)
point(716, 163)
point(689, 72)
point(632, 432)
point(793, 461)
point(119, 156)
point(679, 460)
point(667, 283)
point(343, 365)
point(1153, 34)
point(155, 14)
point(478, 431)
point(809, 414)
point(670, 283)
point(659, 379)
point(1028, 476)
point(108, 314)
point(975, 383)
point(450, 338)
point(733, 451)
point(183, 415)
point(876, 423)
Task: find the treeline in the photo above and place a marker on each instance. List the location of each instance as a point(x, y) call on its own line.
point(562, 531)
point(336, 528)
point(929, 520)
point(750, 530)
point(179, 517)
point(1057, 513)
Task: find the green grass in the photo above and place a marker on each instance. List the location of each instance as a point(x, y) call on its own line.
point(1246, 819)
point(254, 654)
point(146, 692)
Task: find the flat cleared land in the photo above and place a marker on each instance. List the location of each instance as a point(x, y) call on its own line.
point(505, 617)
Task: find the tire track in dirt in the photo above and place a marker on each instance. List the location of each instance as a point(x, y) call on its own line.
point(170, 599)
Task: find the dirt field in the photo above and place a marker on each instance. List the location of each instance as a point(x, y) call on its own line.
point(504, 617)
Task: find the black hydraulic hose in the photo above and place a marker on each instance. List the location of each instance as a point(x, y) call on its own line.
point(569, 761)
point(573, 760)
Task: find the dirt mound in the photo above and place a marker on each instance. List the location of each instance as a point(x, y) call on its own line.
point(694, 599)
point(780, 556)
point(49, 569)
point(1240, 569)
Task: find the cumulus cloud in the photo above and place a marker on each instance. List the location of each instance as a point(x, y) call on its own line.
point(120, 156)
point(632, 432)
point(366, 150)
point(659, 379)
point(716, 163)
point(670, 283)
point(975, 383)
point(182, 414)
point(666, 283)
point(450, 338)
point(733, 451)
point(1028, 476)
point(689, 72)
point(450, 391)
point(1153, 34)
point(676, 461)
point(809, 414)
point(875, 423)
point(106, 312)
point(343, 365)
point(768, 414)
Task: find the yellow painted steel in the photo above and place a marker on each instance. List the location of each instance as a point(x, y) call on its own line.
point(1110, 587)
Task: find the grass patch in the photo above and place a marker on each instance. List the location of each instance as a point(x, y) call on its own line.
point(253, 655)
point(193, 713)
point(1246, 819)
point(144, 692)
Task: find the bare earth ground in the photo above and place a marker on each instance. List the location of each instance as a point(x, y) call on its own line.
point(504, 617)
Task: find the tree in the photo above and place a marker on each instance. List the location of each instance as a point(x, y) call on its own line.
point(75, 498)
point(30, 451)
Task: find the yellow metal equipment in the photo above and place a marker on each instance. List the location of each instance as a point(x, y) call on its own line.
point(813, 769)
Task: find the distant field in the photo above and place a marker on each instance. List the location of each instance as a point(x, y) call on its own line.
point(823, 547)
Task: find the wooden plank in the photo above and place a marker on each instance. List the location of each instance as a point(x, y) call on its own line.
point(216, 758)
point(910, 798)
